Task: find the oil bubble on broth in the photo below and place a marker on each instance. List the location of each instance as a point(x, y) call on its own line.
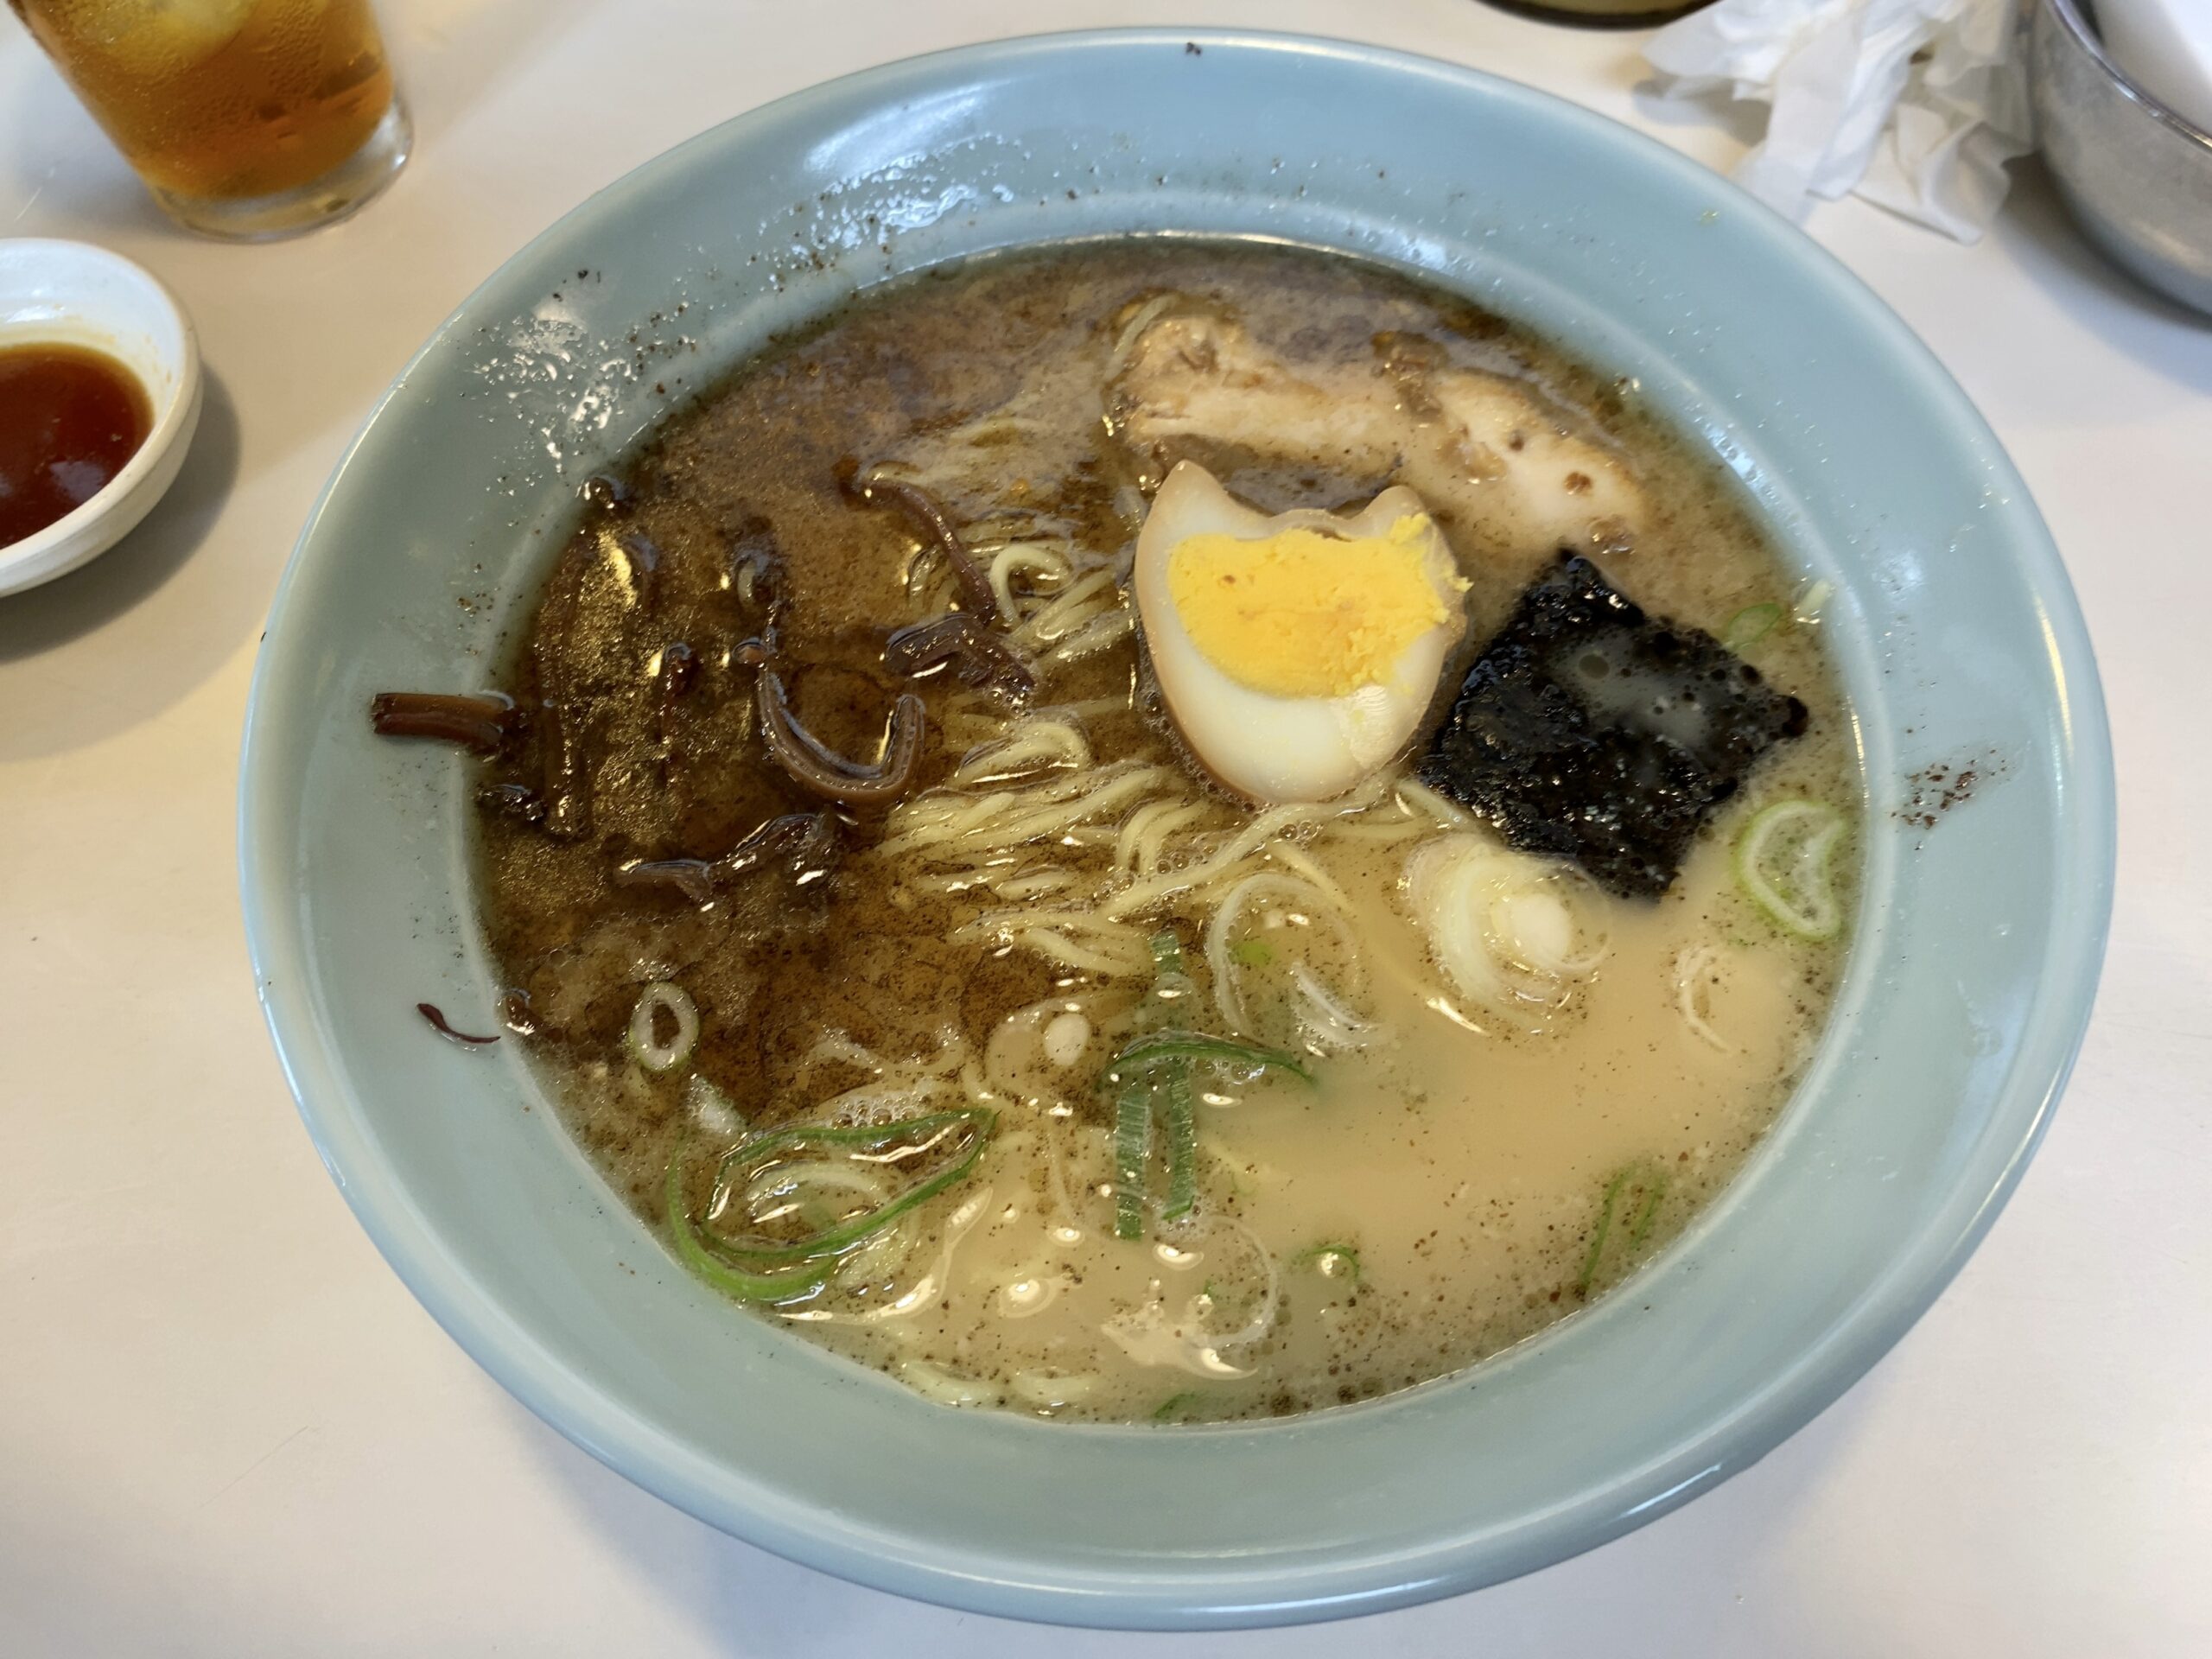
point(1175, 966)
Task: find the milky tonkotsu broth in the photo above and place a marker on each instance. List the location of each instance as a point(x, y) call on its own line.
point(1450, 1182)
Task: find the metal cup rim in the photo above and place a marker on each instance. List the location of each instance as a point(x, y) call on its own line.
point(2075, 19)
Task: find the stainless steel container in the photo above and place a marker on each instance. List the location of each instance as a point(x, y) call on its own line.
point(2136, 175)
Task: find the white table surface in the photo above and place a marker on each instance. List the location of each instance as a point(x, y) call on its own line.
point(225, 1429)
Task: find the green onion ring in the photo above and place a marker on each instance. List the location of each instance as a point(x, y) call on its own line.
point(1132, 1150)
point(1180, 1117)
point(1750, 626)
point(791, 1285)
point(1148, 1051)
point(837, 1239)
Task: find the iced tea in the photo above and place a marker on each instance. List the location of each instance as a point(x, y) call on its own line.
point(245, 116)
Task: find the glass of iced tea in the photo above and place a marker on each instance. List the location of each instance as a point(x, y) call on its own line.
point(246, 119)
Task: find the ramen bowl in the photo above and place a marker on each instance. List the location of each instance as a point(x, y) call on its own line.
point(1974, 950)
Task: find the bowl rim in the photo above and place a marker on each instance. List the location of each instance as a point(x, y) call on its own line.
point(2075, 21)
point(114, 509)
point(1140, 1597)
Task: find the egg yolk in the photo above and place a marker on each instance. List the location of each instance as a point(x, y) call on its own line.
point(1303, 613)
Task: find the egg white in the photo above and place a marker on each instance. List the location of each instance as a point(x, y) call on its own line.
point(1268, 748)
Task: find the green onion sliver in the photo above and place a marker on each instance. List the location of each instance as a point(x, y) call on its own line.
point(1180, 1118)
point(1750, 626)
point(1785, 865)
point(1605, 1226)
point(791, 1285)
point(1132, 1151)
point(657, 998)
point(917, 1135)
point(1654, 1189)
point(1148, 1051)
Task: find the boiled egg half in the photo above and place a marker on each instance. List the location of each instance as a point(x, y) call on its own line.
point(1296, 652)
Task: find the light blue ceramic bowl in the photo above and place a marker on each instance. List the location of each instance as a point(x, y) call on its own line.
point(1976, 950)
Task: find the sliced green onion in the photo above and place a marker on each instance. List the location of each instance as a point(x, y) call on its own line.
point(1145, 1053)
point(791, 1285)
point(1139, 1096)
point(865, 1137)
point(1172, 1094)
point(1654, 1189)
point(1151, 1076)
point(656, 999)
point(1253, 953)
point(1785, 865)
point(840, 1236)
point(1173, 1406)
point(1320, 1258)
point(1750, 626)
point(1132, 1151)
point(1181, 1119)
point(1605, 1227)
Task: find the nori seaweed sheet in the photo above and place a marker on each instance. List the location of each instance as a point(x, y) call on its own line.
point(1591, 731)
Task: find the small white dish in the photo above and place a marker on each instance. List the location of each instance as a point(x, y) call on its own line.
point(76, 295)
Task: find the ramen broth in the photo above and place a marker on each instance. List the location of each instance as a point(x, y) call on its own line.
point(1447, 1169)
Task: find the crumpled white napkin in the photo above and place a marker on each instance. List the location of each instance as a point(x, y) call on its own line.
point(1916, 104)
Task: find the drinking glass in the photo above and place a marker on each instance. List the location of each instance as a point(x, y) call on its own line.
point(246, 119)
